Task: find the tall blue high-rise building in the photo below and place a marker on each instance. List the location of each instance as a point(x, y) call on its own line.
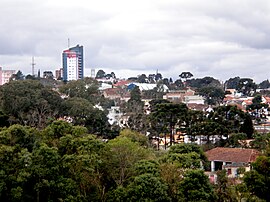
point(73, 66)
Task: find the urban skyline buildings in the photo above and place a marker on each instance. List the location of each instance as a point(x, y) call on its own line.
point(73, 63)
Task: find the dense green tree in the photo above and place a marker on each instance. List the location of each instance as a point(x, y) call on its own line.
point(212, 95)
point(178, 84)
point(169, 115)
point(185, 75)
point(186, 156)
point(232, 119)
point(147, 167)
point(97, 123)
point(147, 187)
point(142, 79)
point(258, 179)
point(121, 156)
point(264, 84)
point(61, 162)
point(158, 77)
point(172, 175)
point(18, 76)
point(204, 82)
point(261, 141)
point(29, 103)
point(135, 137)
point(3, 119)
point(234, 140)
point(247, 126)
point(100, 74)
point(257, 108)
point(134, 109)
point(86, 88)
point(246, 86)
point(187, 148)
point(196, 187)
point(223, 188)
point(79, 109)
point(232, 83)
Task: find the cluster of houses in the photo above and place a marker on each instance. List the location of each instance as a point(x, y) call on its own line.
point(234, 160)
point(119, 91)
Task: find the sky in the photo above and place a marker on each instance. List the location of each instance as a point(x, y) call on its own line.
point(222, 39)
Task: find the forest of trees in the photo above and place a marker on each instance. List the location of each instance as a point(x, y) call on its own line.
point(63, 162)
point(56, 144)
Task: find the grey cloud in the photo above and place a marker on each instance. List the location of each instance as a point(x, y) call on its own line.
point(220, 39)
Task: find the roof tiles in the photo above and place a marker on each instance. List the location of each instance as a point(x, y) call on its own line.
point(232, 155)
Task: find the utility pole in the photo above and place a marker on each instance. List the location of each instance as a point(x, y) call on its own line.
point(33, 66)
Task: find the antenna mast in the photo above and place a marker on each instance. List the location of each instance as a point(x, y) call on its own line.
point(68, 42)
point(33, 66)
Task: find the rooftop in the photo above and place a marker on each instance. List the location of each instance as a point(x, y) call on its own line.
point(236, 155)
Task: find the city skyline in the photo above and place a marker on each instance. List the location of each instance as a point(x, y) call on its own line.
point(219, 39)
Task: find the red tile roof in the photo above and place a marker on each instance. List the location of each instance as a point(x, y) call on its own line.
point(232, 155)
point(122, 83)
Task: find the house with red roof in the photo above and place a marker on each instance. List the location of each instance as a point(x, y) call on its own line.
point(231, 159)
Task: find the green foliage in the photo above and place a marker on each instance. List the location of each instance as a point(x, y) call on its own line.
point(121, 156)
point(196, 187)
point(19, 136)
point(203, 82)
point(233, 119)
point(147, 187)
point(186, 149)
point(223, 189)
point(134, 110)
point(59, 163)
point(135, 94)
point(135, 137)
point(190, 160)
point(3, 119)
point(186, 75)
point(86, 88)
point(18, 76)
point(234, 140)
point(257, 103)
point(185, 156)
point(264, 84)
point(213, 95)
point(232, 83)
point(261, 141)
point(165, 117)
point(147, 166)
point(100, 74)
point(28, 102)
point(246, 86)
point(172, 175)
point(258, 179)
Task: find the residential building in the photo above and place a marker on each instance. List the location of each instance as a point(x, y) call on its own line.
point(230, 159)
point(73, 63)
point(194, 99)
point(178, 95)
point(5, 75)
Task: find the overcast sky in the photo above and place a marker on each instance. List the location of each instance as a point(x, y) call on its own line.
point(222, 39)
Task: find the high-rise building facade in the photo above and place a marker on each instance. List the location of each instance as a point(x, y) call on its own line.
point(73, 67)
